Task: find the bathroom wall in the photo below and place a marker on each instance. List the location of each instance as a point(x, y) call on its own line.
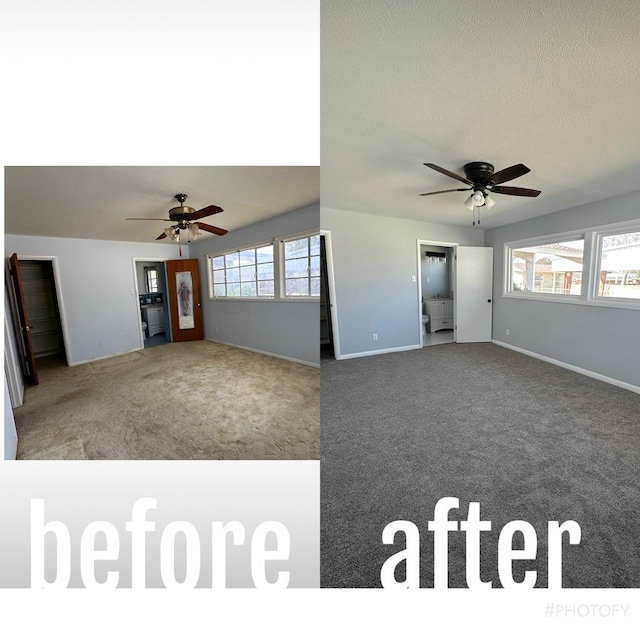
point(436, 276)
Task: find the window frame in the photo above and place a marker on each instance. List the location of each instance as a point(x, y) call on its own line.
point(282, 271)
point(226, 252)
point(593, 237)
point(278, 270)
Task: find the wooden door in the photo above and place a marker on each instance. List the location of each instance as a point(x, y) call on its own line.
point(183, 287)
point(25, 344)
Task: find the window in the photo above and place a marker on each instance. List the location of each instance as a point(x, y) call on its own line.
point(286, 268)
point(245, 273)
point(553, 268)
point(596, 266)
point(151, 276)
point(302, 266)
point(618, 266)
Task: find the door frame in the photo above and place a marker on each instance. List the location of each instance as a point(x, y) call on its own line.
point(136, 290)
point(435, 243)
point(331, 283)
point(61, 308)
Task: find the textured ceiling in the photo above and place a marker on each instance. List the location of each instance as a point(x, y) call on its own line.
point(553, 85)
point(93, 202)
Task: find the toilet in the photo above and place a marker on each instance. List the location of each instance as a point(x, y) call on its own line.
point(144, 328)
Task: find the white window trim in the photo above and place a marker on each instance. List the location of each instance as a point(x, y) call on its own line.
point(590, 266)
point(280, 240)
point(278, 275)
point(217, 254)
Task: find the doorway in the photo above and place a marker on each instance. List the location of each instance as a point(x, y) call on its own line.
point(329, 340)
point(437, 284)
point(38, 315)
point(151, 284)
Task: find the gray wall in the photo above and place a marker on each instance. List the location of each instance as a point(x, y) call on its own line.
point(603, 340)
point(97, 289)
point(281, 328)
point(374, 259)
point(436, 276)
point(10, 440)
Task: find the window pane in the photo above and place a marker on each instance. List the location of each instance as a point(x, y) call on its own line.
point(620, 266)
point(248, 289)
point(552, 268)
point(218, 276)
point(315, 286)
point(265, 254)
point(265, 271)
point(218, 290)
point(297, 287)
point(233, 275)
point(217, 262)
point(233, 289)
point(315, 266)
point(231, 259)
point(296, 268)
point(248, 256)
point(247, 273)
point(314, 242)
point(265, 288)
point(296, 248)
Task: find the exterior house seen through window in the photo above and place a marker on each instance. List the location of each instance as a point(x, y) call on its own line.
point(549, 268)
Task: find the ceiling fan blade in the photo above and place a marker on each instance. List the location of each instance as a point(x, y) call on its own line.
point(510, 173)
point(516, 191)
point(435, 167)
point(162, 236)
point(207, 227)
point(203, 213)
point(433, 193)
point(165, 219)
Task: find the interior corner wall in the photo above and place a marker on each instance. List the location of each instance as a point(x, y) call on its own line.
point(375, 265)
point(602, 340)
point(284, 329)
point(96, 289)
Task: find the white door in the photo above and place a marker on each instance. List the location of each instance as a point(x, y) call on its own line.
point(473, 293)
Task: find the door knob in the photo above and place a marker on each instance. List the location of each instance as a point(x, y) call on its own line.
point(489, 300)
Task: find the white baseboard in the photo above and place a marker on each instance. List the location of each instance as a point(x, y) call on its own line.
point(565, 365)
point(111, 355)
point(267, 353)
point(363, 354)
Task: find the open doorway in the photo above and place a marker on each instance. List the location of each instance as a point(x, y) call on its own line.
point(329, 341)
point(437, 284)
point(38, 315)
point(153, 302)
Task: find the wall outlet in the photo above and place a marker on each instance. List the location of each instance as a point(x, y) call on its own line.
point(101, 344)
point(508, 331)
point(217, 331)
point(375, 336)
point(413, 278)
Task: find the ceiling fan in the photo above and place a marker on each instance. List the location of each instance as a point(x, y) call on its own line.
point(483, 182)
point(185, 221)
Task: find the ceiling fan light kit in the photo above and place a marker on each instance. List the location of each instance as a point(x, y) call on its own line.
point(483, 181)
point(185, 226)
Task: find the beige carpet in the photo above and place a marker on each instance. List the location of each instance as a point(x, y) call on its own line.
point(179, 401)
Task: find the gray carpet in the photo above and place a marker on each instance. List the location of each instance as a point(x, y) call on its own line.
point(177, 401)
point(528, 440)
